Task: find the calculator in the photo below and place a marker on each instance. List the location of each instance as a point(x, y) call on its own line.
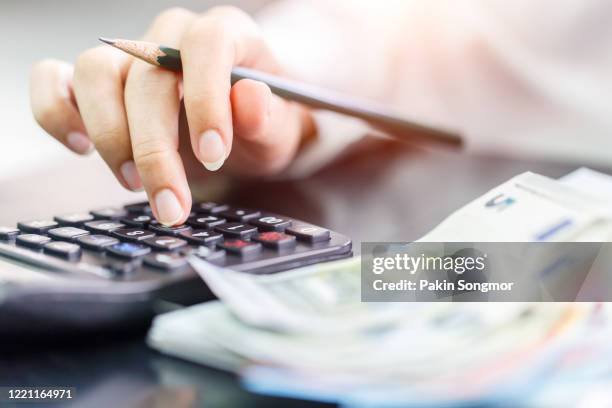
point(113, 268)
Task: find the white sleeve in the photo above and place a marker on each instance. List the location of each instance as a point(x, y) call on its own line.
point(519, 78)
point(334, 134)
point(322, 43)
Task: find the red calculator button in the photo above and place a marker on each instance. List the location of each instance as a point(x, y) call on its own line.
point(240, 247)
point(276, 240)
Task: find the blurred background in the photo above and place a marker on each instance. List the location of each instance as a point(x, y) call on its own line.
point(61, 29)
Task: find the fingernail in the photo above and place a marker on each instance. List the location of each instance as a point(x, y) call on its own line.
point(131, 176)
point(212, 150)
point(79, 142)
point(169, 209)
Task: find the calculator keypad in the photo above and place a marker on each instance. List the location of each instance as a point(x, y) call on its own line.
point(309, 233)
point(63, 250)
point(239, 214)
point(271, 223)
point(201, 236)
point(209, 207)
point(128, 241)
point(205, 221)
point(162, 229)
point(74, 219)
point(103, 226)
point(240, 247)
point(133, 234)
point(236, 230)
point(97, 242)
point(66, 233)
point(37, 226)
point(129, 250)
point(163, 243)
point(170, 260)
point(276, 240)
point(137, 220)
point(8, 233)
point(110, 213)
point(211, 254)
point(34, 241)
point(139, 208)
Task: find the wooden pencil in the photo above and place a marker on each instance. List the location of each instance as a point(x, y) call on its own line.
point(376, 115)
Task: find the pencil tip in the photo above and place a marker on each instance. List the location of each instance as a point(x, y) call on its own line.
point(107, 40)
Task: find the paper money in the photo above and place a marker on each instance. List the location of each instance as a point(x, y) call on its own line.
point(468, 358)
point(527, 208)
point(183, 333)
point(524, 357)
point(306, 334)
point(324, 298)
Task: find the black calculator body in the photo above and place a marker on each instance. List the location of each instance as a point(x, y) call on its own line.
point(114, 268)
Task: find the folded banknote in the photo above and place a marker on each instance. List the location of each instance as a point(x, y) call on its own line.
point(306, 333)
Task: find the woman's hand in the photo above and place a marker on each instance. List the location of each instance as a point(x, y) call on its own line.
point(128, 110)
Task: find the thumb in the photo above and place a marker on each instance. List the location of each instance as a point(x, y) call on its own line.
point(268, 129)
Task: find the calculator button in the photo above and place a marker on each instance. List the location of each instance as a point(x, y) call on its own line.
point(8, 233)
point(137, 220)
point(162, 229)
point(35, 241)
point(239, 214)
point(74, 220)
point(96, 242)
point(236, 230)
point(103, 226)
point(139, 208)
point(128, 250)
point(63, 249)
point(276, 240)
point(133, 234)
point(120, 267)
point(209, 207)
point(271, 223)
point(166, 261)
point(37, 226)
point(309, 233)
point(205, 221)
point(110, 213)
point(240, 247)
point(201, 236)
point(66, 233)
point(162, 243)
point(209, 254)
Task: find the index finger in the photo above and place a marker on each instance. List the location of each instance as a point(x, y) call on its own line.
point(153, 104)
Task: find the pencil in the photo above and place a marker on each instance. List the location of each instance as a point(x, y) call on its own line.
point(376, 115)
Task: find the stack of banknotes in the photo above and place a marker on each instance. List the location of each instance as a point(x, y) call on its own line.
point(306, 334)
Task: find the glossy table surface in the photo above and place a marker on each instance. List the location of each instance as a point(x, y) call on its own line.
point(382, 192)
